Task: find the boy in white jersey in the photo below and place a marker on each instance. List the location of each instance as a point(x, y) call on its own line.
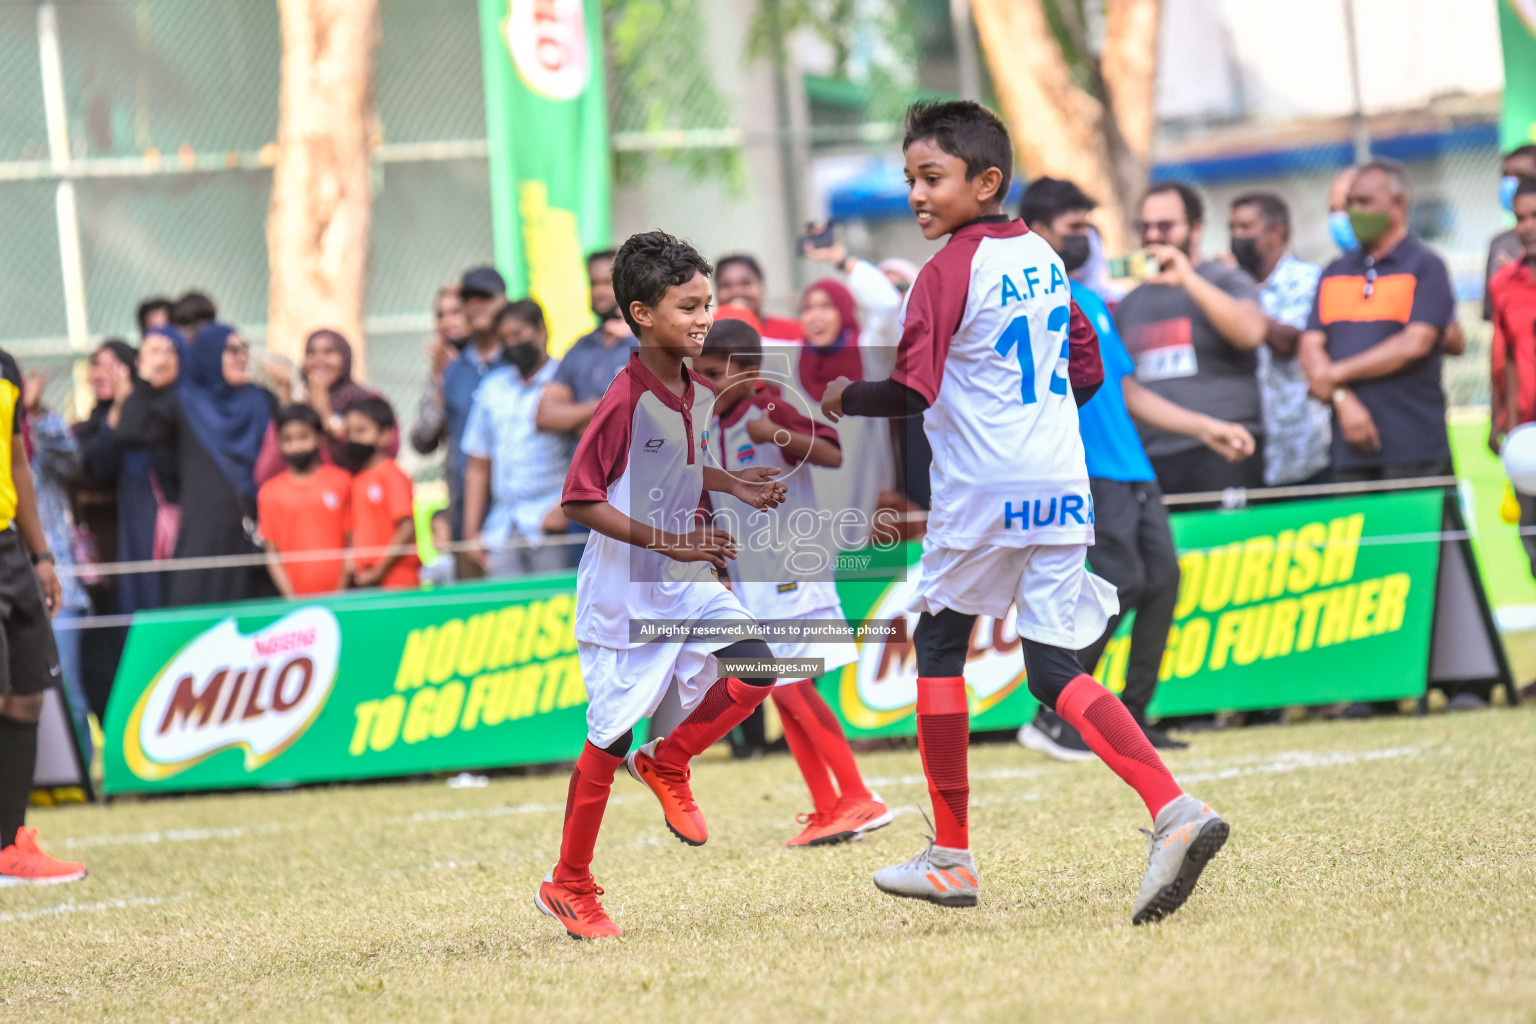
point(637, 481)
point(997, 357)
point(782, 573)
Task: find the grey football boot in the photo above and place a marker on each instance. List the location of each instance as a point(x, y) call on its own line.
point(939, 875)
point(1186, 835)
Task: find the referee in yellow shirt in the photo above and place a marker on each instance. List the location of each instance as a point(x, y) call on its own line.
point(29, 659)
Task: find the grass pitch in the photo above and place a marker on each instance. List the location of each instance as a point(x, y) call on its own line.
point(1377, 871)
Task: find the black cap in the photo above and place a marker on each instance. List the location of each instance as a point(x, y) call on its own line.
point(482, 281)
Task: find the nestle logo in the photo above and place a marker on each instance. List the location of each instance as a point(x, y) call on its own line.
point(654, 444)
point(267, 646)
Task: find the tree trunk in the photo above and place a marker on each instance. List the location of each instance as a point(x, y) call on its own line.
point(1059, 129)
point(317, 224)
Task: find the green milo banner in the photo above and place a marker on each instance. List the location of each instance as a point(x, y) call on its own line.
point(1301, 603)
point(1517, 31)
point(547, 127)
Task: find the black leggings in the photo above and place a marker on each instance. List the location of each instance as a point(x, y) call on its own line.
point(943, 640)
point(754, 649)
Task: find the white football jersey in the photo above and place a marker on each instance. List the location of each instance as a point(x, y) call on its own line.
point(643, 453)
point(784, 556)
point(993, 341)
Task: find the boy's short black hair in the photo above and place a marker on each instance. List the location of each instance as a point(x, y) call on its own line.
point(1272, 210)
point(1525, 186)
point(966, 130)
point(1049, 198)
point(298, 413)
point(648, 264)
point(743, 259)
point(735, 341)
point(524, 311)
point(374, 408)
point(151, 306)
point(193, 308)
point(1194, 206)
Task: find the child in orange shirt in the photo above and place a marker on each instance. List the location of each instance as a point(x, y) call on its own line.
point(383, 513)
point(307, 508)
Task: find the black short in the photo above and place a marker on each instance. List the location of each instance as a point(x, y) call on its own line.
point(29, 660)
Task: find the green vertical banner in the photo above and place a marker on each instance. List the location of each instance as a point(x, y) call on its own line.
point(1517, 29)
point(547, 125)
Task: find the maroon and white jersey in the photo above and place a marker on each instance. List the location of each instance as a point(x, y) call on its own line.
point(643, 453)
point(994, 342)
point(784, 556)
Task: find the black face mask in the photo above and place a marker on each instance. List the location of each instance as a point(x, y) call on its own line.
point(524, 355)
point(302, 462)
point(1246, 252)
point(1074, 251)
point(353, 456)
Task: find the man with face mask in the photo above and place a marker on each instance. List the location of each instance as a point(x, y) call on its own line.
point(483, 293)
point(1375, 337)
point(1505, 248)
point(1297, 428)
point(1133, 547)
point(584, 373)
point(1194, 330)
point(520, 468)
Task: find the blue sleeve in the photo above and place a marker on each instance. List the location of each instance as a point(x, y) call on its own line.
point(1117, 361)
point(478, 441)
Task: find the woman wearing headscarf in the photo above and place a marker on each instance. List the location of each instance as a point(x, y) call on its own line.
point(329, 387)
point(213, 418)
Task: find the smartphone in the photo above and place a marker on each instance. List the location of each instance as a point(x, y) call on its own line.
point(813, 239)
point(1138, 266)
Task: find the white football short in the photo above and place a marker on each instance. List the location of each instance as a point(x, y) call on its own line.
point(1059, 601)
point(626, 685)
point(834, 653)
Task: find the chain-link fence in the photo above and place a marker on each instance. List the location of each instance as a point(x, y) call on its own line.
point(731, 123)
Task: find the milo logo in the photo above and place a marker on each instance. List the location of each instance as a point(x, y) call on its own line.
point(548, 43)
point(226, 689)
point(883, 684)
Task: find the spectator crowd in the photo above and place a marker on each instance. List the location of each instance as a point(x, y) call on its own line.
point(1247, 368)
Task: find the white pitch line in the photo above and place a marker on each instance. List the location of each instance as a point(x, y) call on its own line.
point(1296, 760)
point(1227, 768)
point(178, 835)
point(76, 908)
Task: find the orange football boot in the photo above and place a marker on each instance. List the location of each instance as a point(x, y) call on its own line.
point(815, 826)
point(576, 907)
point(22, 863)
point(670, 784)
point(860, 816)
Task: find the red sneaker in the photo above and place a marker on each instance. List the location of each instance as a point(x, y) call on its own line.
point(22, 863)
point(670, 784)
point(575, 906)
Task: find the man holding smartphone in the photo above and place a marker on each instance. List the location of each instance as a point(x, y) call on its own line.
point(1194, 331)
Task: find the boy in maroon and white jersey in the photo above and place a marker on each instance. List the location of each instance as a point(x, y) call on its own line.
point(650, 606)
point(783, 567)
point(997, 357)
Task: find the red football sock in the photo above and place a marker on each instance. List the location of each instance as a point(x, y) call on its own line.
point(1109, 729)
point(943, 735)
point(820, 724)
point(724, 707)
point(584, 805)
point(812, 767)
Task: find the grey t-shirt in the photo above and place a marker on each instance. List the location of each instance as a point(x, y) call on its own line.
point(589, 366)
point(1180, 356)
